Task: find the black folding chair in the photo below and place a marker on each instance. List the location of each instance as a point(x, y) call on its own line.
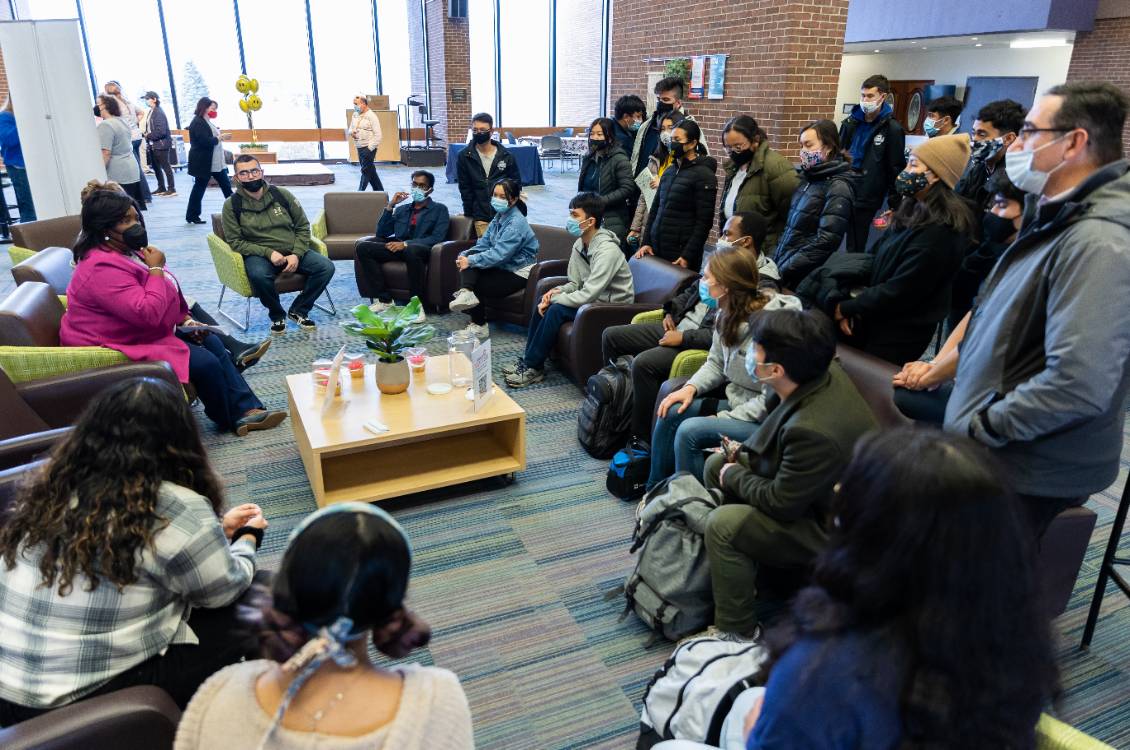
point(1107, 571)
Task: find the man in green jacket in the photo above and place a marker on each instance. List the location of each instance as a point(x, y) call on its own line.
point(777, 486)
point(267, 226)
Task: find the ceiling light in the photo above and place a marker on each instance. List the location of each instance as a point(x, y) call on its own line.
point(978, 44)
point(1036, 43)
point(973, 38)
point(876, 50)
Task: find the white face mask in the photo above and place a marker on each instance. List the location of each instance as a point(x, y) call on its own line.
point(869, 107)
point(1018, 166)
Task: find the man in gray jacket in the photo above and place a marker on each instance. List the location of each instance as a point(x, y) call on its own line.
point(1044, 367)
point(597, 272)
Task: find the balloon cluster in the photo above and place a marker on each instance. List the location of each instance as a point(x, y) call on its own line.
point(249, 87)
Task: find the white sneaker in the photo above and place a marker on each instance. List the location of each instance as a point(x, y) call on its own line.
point(380, 307)
point(464, 299)
point(475, 329)
point(421, 318)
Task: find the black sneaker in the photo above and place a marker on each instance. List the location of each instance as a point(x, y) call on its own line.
point(278, 326)
point(302, 321)
point(253, 353)
point(514, 369)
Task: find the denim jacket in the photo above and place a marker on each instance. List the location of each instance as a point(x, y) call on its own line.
point(508, 243)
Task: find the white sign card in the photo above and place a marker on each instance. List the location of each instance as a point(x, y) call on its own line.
point(333, 380)
point(481, 383)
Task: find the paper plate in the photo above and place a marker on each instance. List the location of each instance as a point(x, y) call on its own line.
point(438, 389)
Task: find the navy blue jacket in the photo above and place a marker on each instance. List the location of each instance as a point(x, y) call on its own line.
point(430, 229)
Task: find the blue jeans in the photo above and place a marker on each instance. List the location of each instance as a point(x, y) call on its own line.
point(679, 441)
point(23, 193)
point(542, 334)
point(223, 391)
point(261, 272)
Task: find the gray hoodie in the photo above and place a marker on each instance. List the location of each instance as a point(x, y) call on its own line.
point(1044, 368)
point(598, 273)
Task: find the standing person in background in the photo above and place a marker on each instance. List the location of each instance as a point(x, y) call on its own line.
point(821, 209)
point(13, 159)
point(605, 170)
point(155, 130)
point(942, 115)
point(205, 157)
point(479, 167)
point(628, 114)
point(113, 134)
point(647, 181)
point(877, 144)
point(669, 94)
point(365, 130)
point(994, 130)
point(680, 220)
point(758, 179)
point(132, 115)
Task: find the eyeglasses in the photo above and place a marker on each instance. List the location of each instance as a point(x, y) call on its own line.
point(249, 173)
point(1027, 132)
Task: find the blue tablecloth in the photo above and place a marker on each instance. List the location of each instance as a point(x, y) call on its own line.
point(529, 165)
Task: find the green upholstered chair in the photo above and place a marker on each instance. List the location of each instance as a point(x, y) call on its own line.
point(687, 361)
point(1053, 734)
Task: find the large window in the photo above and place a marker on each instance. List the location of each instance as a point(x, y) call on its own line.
point(396, 76)
point(578, 61)
point(205, 58)
point(135, 59)
point(524, 47)
point(480, 15)
point(343, 53)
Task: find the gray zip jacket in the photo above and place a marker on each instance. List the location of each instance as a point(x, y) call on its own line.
point(1044, 368)
point(598, 273)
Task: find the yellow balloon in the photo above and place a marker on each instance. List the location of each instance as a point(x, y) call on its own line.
point(243, 104)
point(243, 84)
point(253, 85)
point(254, 102)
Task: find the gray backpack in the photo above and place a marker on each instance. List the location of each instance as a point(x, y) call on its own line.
point(670, 587)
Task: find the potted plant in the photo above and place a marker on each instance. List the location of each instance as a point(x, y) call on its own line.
point(388, 334)
point(253, 148)
point(678, 68)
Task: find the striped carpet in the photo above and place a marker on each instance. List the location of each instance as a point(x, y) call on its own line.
point(512, 579)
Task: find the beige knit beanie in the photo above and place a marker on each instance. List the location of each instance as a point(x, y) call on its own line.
point(946, 156)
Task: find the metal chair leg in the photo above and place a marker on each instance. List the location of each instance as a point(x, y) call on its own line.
point(1106, 570)
point(332, 310)
point(220, 309)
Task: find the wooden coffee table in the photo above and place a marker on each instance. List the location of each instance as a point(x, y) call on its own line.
point(433, 441)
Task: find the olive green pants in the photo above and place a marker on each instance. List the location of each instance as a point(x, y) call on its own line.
point(739, 538)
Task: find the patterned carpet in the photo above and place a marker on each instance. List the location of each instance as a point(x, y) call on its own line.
point(512, 578)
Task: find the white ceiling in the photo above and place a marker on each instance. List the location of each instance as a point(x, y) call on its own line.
point(954, 42)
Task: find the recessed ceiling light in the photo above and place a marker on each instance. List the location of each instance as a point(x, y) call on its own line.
point(876, 50)
point(973, 38)
point(923, 48)
point(1036, 43)
point(978, 44)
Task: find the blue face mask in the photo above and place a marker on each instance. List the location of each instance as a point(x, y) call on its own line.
point(634, 125)
point(499, 204)
point(573, 227)
point(704, 295)
point(357, 108)
point(418, 195)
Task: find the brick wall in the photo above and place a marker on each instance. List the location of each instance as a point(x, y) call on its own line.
point(449, 64)
point(1104, 55)
point(783, 66)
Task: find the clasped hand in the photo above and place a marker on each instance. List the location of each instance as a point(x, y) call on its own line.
point(248, 514)
point(286, 262)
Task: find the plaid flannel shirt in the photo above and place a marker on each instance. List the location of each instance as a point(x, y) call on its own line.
point(55, 649)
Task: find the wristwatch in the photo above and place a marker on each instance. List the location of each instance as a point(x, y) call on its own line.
point(243, 531)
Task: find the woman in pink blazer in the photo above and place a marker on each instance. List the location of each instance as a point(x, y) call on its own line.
point(122, 298)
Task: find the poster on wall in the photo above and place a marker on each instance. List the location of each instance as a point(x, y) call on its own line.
point(698, 75)
point(717, 78)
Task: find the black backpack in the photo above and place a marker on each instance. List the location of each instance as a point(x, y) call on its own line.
point(606, 413)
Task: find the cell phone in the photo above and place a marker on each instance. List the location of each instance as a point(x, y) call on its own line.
point(634, 242)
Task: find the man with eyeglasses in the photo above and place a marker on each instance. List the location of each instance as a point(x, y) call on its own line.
point(267, 226)
point(1044, 367)
point(405, 233)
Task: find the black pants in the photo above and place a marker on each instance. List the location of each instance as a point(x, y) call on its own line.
point(133, 190)
point(231, 344)
point(225, 394)
point(199, 185)
point(146, 195)
point(928, 407)
point(368, 171)
point(182, 668)
point(372, 255)
point(159, 160)
point(650, 368)
point(860, 228)
point(489, 283)
point(1043, 510)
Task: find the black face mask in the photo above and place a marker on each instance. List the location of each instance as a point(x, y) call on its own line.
point(595, 145)
point(97, 111)
point(741, 157)
point(480, 138)
point(135, 238)
point(996, 228)
point(253, 186)
point(662, 107)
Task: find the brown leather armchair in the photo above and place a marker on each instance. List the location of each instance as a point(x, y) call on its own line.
point(459, 230)
point(135, 717)
point(53, 266)
point(578, 350)
point(346, 218)
point(39, 235)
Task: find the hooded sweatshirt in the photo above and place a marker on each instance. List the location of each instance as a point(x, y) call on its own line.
point(1044, 367)
point(266, 224)
point(597, 273)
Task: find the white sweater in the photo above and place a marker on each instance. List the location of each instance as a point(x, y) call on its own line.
point(433, 715)
point(368, 129)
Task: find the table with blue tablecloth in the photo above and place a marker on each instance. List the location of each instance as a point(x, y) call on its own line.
point(529, 163)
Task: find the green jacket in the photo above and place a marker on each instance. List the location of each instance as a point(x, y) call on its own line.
point(788, 467)
point(266, 226)
point(768, 189)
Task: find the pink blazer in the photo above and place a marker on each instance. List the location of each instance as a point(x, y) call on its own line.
point(115, 302)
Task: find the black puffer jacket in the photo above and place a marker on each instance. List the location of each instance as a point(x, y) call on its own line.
point(616, 187)
point(820, 214)
point(683, 211)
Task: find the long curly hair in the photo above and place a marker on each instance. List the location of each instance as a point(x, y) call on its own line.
point(92, 508)
point(933, 555)
point(735, 269)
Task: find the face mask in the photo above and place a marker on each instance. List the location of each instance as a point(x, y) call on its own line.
point(499, 204)
point(661, 107)
point(357, 108)
point(595, 145)
point(665, 139)
point(930, 127)
point(724, 244)
point(751, 364)
point(910, 183)
point(677, 149)
point(135, 237)
point(481, 138)
point(997, 228)
point(573, 227)
point(634, 125)
point(97, 112)
point(212, 114)
point(985, 150)
point(1018, 165)
point(809, 159)
point(253, 186)
point(704, 295)
point(869, 107)
point(418, 195)
point(741, 158)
